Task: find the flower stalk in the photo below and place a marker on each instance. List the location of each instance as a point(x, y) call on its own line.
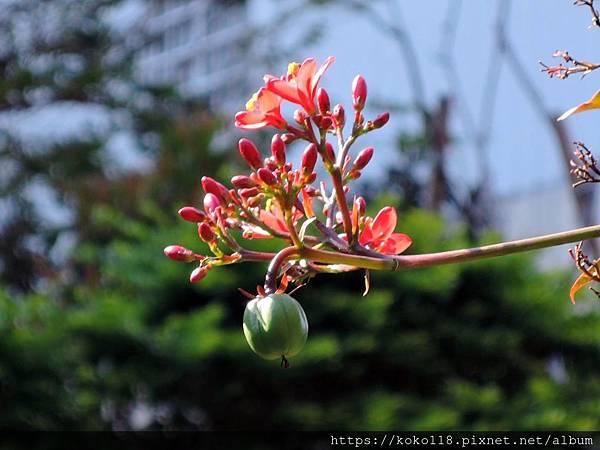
point(407, 262)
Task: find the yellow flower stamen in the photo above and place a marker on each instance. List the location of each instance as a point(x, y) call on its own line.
point(251, 104)
point(293, 68)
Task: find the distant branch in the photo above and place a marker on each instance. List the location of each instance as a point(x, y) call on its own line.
point(594, 11)
point(575, 66)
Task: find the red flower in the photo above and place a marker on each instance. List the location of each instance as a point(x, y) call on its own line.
point(378, 234)
point(262, 110)
point(300, 84)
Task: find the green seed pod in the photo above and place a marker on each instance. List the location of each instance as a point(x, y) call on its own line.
point(275, 326)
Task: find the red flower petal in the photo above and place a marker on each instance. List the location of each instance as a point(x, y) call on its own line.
point(284, 89)
point(319, 73)
point(251, 120)
point(305, 74)
point(384, 223)
point(270, 220)
point(267, 101)
point(366, 235)
point(396, 244)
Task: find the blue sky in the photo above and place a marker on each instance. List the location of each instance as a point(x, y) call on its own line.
point(523, 153)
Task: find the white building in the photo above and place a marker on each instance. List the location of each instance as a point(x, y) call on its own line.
point(200, 46)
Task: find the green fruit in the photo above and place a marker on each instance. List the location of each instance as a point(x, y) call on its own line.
point(275, 326)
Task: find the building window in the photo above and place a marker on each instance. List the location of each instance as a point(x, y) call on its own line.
point(178, 35)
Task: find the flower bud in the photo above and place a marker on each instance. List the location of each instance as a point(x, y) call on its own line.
point(339, 115)
point(212, 186)
point(206, 233)
point(211, 201)
point(255, 200)
point(323, 101)
point(249, 192)
point(250, 153)
point(179, 253)
point(242, 181)
point(299, 116)
point(278, 150)
point(359, 92)
point(326, 123)
point(288, 138)
point(270, 163)
point(311, 178)
point(361, 205)
point(199, 273)
point(380, 120)
point(329, 152)
point(266, 176)
point(191, 214)
point(363, 158)
point(309, 159)
point(354, 174)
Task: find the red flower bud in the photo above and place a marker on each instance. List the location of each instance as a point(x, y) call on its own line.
point(211, 186)
point(299, 116)
point(326, 123)
point(242, 181)
point(198, 273)
point(339, 115)
point(361, 205)
point(363, 158)
point(381, 120)
point(323, 101)
point(329, 152)
point(359, 92)
point(250, 153)
point(255, 200)
point(354, 174)
point(179, 253)
point(249, 192)
point(206, 233)
point(211, 201)
point(309, 159)
point(278, 150)
point(288, 138)
point(266, 176)
point(191, 214)
point(270, 164)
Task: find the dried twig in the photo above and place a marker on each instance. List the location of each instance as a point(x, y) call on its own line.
point(583, 263)
point(575, 66)
point(594, 11)
point(585, 169)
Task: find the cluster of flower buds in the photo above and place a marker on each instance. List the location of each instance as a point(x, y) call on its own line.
point(274, 197)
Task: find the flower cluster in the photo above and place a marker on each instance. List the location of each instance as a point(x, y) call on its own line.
point(277, 200)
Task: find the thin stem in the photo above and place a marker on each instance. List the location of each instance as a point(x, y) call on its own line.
point(292, 229)
point(341, 157)
point(276, 263)
point(338, 185)
point(251, 255)
point(398, 263)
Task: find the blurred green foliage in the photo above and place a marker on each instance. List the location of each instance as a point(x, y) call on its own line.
point(453, 347)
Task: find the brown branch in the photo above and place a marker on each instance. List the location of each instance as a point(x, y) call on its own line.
point(594, 11)
point(575, 66)
point(585, 169)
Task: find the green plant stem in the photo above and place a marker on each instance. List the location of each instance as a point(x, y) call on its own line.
point(400, 263)
point(292, 229)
